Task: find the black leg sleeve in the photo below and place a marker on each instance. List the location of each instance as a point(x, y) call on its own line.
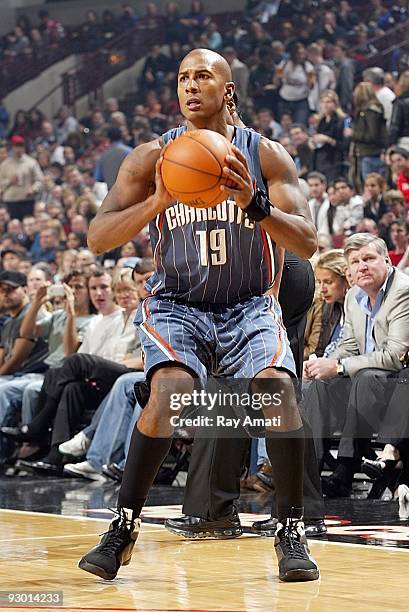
point(286, 456)
point(313, 501)
point(145, 456)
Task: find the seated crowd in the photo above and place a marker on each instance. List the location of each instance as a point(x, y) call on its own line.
point(71, 372)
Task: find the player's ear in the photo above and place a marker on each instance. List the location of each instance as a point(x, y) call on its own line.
point(229, 91)
point(231, 107)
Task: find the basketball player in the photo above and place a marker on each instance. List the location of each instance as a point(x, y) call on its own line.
point(207, 311)
point(213, 482)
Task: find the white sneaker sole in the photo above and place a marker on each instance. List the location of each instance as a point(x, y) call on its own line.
point(86, 475)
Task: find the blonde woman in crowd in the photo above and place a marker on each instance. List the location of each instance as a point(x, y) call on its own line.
point(325, 319)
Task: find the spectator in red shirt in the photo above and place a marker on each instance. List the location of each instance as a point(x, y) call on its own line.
point(399, 235)
point(403, 182)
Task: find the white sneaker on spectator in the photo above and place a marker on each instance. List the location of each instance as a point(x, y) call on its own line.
point(403, 492)
point(77, 446)
point(83, 469)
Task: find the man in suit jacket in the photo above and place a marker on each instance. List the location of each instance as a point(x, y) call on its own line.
point(350, 391)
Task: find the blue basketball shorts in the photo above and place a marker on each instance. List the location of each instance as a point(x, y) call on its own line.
point(236, 341)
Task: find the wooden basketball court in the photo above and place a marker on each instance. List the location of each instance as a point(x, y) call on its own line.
point(39, 552)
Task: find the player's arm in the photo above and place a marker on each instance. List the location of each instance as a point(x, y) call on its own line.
point(137, 196)
point(289, 224)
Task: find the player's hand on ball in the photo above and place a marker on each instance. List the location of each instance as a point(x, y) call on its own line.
point(162, 196)
point(237, 172)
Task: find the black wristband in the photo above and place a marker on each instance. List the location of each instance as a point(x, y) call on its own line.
point(259, 207)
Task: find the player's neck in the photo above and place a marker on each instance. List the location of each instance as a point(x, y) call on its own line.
point(217, 124)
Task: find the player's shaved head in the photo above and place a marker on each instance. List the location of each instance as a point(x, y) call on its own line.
point(204, 87)
point(211, 59)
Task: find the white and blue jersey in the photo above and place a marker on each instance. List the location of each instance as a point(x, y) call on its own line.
point(212, 255)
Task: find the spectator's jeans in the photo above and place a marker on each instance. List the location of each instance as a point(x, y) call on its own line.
point(372, 163)
point(30, 407)
point(117, 416)
point(11, 393)
point(299, 109)
point(262, 456)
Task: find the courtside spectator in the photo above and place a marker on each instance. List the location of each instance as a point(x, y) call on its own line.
point(348, 390)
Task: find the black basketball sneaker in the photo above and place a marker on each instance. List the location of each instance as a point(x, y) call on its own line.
point(192, 527)
point(115, 548)
point(295, 563)
point(314, 528)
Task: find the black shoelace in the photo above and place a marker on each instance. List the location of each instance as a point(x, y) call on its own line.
point(115, 537)
point(290, 543)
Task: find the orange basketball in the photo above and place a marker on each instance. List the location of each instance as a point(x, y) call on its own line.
point(192, 168)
